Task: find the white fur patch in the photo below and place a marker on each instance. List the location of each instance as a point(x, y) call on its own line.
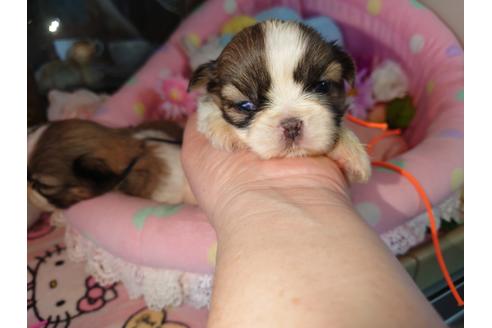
point(171, 188)
point(284, 47)
point(33, 138)
point(144, 134)
point(352, 157)
point(210, 122)
point(38, 200)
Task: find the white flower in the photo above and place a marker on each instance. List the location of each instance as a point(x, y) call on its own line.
point(389, 81)
point(207, 52)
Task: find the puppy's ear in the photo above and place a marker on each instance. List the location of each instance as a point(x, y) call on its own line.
point(202, 75)
point(93, 169)
point(348, 65)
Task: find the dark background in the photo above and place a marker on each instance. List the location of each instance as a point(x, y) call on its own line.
point(106, 21)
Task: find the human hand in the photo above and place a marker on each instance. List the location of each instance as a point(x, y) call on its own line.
point(281, 225)
point(223, 181)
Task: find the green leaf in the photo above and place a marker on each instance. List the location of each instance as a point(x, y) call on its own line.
point(400, 113)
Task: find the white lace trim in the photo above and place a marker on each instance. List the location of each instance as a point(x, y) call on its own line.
point(413, 232)
point(453, 208)
point(159, 287)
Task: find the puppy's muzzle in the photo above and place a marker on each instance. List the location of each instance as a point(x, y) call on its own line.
point(292, 128)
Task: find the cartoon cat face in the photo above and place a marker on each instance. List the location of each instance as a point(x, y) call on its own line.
point(59, 292)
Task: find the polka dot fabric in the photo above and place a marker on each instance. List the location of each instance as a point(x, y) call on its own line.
point(403, 30)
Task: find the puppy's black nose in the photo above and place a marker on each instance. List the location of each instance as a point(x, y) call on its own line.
point(292, 128)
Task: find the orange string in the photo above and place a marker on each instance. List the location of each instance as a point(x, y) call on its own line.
point(432, 221)
point(372, 143)
point(382, 126)
point(420, 191)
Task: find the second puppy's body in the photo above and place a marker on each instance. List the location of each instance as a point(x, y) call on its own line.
point(74, 160)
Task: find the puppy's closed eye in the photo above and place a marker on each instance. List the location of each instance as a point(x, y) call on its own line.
point(246, 106)
point(322, 86)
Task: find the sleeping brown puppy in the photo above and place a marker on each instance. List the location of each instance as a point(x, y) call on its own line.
point(278, 89)
point(75, 160)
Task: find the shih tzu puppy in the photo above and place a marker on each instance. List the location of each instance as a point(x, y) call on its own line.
point(74, 160)
point(278, 88)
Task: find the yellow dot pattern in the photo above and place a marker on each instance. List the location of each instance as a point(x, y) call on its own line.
point(374, 7)
point(139, 109)
point(457, 178)
point(430, 87)
point(212, 254)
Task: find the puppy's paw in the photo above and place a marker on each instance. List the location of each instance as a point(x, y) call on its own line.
point(211, 123)
point(352, 157)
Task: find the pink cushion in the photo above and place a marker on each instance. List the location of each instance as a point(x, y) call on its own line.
point(144, 232)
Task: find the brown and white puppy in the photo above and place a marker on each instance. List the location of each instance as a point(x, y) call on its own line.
point(278, 89)
point(74, 160)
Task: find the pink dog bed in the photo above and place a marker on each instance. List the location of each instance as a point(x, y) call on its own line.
point(167, 253)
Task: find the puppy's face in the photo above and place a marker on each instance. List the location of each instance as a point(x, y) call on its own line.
point(277, 88)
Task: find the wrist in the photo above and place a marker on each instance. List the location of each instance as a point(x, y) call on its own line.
point(253, 207)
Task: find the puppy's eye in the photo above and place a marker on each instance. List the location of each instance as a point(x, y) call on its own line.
point(322, 86)
point(246, 106)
